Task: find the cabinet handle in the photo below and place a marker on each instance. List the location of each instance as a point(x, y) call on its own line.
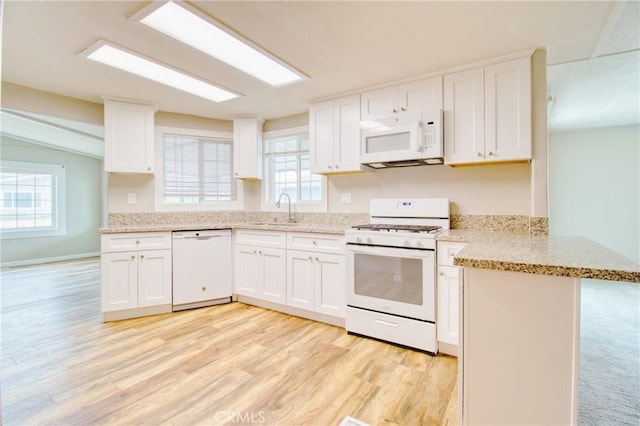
point(403, 109)
point(204, 289)
point(133, 257)
point(137, 242)
point(260, 253)
point(452, 252)
point(235, 174)
point(142, 256)
point(442, 274)
point(478, 154)
point(330, 167)
point(255, 252)
point(315, 243)
point(490, 153)
point(395, 110)
point(310, 259)
point(317, 260)
point(337, 167)
point(148, 167)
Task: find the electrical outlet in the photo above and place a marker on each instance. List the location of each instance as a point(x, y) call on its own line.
point(131, 197)
point(345, 198)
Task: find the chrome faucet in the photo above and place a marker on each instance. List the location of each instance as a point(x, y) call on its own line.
point(278, 205)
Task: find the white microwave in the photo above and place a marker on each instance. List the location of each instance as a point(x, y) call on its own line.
point(411, 139)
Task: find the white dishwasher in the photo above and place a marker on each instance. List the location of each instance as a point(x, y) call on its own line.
point(201, 268)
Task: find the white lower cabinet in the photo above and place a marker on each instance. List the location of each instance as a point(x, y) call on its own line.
point(448, 316)
point(448, 297)
point(136, 274)
point(260, 272)
point(260, 265)
point(316, 282)
point(293, 272)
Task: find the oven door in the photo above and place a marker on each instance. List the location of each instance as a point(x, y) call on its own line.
point(395, 281)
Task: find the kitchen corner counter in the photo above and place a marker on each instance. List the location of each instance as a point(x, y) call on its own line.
point(322, 228)
point(576, 257)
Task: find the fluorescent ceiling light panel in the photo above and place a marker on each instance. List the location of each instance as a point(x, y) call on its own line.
point(127, 61)
point(197, 30)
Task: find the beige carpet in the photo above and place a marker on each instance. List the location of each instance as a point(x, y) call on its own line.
point(609, 383)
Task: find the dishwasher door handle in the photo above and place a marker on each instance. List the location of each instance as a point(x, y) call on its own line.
point(203, 238)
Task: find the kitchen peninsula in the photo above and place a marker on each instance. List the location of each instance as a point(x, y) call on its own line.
point(520, 321)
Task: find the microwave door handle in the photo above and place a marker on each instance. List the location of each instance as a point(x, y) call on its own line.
point(418, 137)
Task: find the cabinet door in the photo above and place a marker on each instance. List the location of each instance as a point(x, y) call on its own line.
point(508, 111)
point(329, 284)
point(464, 117)
point(379, 103)
point(247, 148)
point(119, 281)
point(274, 274)
point(247, 279)
point(422, 95)
point(300, 276)
point(321, 137)
point(346, 141)
point(128, 137)
point(154, 277)
point(448, 304)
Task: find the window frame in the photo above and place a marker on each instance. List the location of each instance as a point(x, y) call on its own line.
point(160, 205)
point(303, 207)
point(58, 212)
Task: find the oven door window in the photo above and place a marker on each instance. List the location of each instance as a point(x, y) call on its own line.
point(389, 278)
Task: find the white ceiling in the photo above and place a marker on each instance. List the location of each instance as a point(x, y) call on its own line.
point(343, 46)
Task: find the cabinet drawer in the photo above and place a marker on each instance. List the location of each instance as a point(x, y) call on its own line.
point(261, 238)
point(447, 251)
point(324, 243)
point(403, 331)
point(135, 241)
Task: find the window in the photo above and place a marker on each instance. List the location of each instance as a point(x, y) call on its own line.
point(288, 169)
point(32, 199)
point(197, 170)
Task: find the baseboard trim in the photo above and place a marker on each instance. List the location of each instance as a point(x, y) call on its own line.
point(30, 262)
point(315, 316)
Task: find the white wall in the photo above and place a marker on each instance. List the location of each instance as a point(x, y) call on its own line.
point(497, 189)
point(594, 186)
point(83, 206)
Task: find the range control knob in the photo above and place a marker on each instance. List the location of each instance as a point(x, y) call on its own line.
point(358, 240)
point(407, 243)
point(369, 241)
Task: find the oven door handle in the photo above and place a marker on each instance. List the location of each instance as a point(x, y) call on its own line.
point(390, 251)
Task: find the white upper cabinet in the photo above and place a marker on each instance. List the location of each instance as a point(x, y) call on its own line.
point(507, 97)
point(128, 137)
point(334, 135)
point(487, 114)
point(417, 96)
point(247, 148)
point(464, 116)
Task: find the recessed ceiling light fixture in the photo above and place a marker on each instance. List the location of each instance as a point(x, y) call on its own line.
point(122, 59)
point(198, 30)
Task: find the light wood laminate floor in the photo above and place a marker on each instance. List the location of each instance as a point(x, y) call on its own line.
point(229, 364)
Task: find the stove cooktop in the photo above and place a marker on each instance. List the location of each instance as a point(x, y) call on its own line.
point(397, 228)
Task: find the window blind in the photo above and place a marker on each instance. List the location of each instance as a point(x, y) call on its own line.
point(198, 170)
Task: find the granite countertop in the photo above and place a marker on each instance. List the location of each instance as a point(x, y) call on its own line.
point(506, 251)
point(322, 228)
point(577, 257)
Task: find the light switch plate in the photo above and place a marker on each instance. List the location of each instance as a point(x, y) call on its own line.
point(345, 198)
